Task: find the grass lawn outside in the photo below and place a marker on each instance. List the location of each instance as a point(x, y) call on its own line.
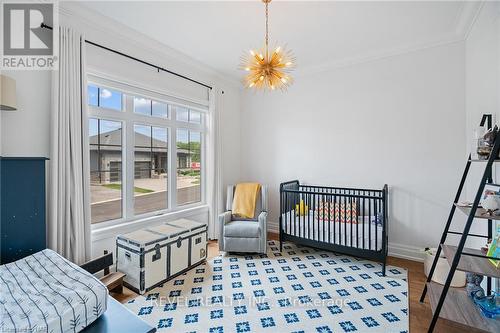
point(119, 187)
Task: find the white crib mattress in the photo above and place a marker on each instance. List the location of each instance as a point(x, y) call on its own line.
point(46, 293)
point(371, 239)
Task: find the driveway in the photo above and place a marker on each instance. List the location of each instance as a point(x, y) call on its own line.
point(100, 193)
point(111, 209)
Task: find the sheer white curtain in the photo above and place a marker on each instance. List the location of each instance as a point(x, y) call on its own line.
point(69, 209)
point(214, 161)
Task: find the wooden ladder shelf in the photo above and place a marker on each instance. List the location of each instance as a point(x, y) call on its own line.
point(453, 303)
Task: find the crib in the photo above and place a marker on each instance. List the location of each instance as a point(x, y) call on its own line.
point(345, 220)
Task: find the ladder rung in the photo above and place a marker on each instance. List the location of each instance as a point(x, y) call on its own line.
point(496, 160)
point(473, 235)
point(479, 256)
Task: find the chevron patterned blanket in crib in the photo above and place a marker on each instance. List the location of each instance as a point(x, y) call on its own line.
point(46, 293)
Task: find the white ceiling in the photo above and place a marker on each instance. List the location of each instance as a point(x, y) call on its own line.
point(322, 33)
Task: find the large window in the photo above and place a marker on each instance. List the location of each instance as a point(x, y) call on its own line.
point(146, 153)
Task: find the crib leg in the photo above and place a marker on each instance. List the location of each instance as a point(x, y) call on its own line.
point(281, 238)
point(383, 268)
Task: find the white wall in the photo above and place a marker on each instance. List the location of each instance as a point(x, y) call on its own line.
point(398, 120)
point(25, 132)
point(482, 84)
point(482, 62)
point(482, 69)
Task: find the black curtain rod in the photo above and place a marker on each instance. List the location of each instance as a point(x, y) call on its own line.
point(43, 25)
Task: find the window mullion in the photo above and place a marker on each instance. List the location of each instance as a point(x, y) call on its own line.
point(129, 160)
point(172, 159)
point(203, 169)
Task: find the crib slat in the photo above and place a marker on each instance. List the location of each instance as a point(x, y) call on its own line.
point(329, 217)
point(350, 213)
point(294, 215)
point(376, 229)
point(334, 219)
point(308, 200)
point(364, 207)
point(323, 222)
point(317, 220)
point(369, 224)
point(314, 212)
point(290, 214)
point(357, 224)
point(339, 218)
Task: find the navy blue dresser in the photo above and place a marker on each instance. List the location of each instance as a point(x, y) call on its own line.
point(22, 207)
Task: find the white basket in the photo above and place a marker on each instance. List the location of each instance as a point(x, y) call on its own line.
point(442, 269)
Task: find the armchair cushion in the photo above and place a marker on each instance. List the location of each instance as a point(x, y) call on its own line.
point(242, 229)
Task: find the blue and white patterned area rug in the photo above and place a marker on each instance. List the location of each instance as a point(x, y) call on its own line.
point(297, 290)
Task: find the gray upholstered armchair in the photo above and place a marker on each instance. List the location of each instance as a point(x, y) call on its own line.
point(244, 235)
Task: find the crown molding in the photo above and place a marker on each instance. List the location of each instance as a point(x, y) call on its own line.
point(377, 56)
point(464, 21)
point(95, 24)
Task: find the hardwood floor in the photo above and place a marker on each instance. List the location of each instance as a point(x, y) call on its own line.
point(420, 313)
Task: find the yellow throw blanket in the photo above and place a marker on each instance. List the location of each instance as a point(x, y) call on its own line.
point(245, 199)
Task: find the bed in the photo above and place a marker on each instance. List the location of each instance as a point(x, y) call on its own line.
point(46, 293)
point(345, 220)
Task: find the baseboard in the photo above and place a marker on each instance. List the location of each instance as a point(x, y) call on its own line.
point(406, 252)
point(395, 250)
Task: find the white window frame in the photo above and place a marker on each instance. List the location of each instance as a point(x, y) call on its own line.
point(128, 119)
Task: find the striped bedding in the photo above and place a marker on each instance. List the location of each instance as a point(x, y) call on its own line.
point(46, 293)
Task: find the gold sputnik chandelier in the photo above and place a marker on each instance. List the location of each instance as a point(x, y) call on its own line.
point(268, 70)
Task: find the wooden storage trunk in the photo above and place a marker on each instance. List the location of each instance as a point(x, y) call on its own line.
point(151, 256)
